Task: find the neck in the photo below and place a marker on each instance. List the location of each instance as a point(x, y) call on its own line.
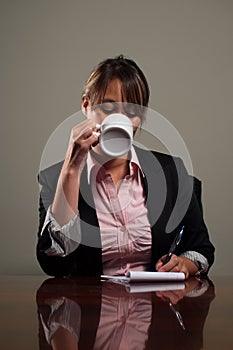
point(116, 164)
point(118, 168)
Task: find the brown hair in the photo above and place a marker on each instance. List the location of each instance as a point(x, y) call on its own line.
point(135, 88)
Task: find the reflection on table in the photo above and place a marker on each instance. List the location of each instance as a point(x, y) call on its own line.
point(92, 314)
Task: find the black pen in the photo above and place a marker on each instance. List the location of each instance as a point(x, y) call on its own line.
point(173, 246)
point(177, 314)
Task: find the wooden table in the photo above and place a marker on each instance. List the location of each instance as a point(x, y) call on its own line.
point(47, 313)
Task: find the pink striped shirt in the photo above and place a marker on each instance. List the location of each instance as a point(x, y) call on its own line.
point(122, 215)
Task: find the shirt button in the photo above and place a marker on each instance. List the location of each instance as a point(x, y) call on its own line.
point(122, 229)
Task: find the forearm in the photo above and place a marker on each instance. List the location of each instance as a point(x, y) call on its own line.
point(66, 198)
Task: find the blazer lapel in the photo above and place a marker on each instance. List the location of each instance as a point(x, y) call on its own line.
point(155, 185)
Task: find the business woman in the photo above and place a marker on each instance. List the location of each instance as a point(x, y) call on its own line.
point(109, 215)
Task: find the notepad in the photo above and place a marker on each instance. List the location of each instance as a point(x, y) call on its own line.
point(147, 276)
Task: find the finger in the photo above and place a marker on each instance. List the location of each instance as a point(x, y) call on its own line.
point(160, 267)
point(86, 133)
point(159, 263)
point(173, 296)
point(89, 141)
point(171, 265)
point(81, 128)
point(84, 139)
point(81, 146)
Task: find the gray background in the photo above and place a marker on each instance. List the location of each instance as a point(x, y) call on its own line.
point(48, 49)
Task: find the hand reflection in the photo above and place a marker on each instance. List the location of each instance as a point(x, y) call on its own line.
point(174, 296)
point(182, 315)
point(193, 287)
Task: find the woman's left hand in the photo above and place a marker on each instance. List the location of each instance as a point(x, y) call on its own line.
point(177, 264)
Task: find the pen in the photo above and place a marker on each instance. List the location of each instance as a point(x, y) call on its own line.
point(178, 315)
point(173, 246)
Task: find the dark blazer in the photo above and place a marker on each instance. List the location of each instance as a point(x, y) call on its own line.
point(172, 201)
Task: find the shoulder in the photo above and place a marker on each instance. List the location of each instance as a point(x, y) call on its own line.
point(164, 161)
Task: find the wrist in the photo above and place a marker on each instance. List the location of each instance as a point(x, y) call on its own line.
point(70, 174)
point(198, 259)
point(191, 266)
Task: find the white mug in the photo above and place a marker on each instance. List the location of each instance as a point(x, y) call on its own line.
point(116, 135)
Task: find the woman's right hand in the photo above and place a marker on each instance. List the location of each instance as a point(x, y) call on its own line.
point(81, 140)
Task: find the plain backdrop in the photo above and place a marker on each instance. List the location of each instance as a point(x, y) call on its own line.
point(48, 49)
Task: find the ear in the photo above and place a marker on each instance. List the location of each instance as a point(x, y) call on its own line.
point(85, 104)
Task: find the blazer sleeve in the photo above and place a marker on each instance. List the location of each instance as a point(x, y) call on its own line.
point(183, 206)
point(51, 265)
point(196, 235)
point(86, 259)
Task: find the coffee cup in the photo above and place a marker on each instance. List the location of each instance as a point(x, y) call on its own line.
point(116, 135)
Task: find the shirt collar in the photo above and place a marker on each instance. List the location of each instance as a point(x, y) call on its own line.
point(92, 162)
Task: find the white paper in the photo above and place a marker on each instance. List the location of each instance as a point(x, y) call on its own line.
point(148, 276)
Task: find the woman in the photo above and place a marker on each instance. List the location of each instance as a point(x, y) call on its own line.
point(102, 215)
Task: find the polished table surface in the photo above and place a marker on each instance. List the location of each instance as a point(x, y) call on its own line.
point(49, 313)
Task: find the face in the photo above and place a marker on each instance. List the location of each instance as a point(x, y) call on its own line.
point(113, 102)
